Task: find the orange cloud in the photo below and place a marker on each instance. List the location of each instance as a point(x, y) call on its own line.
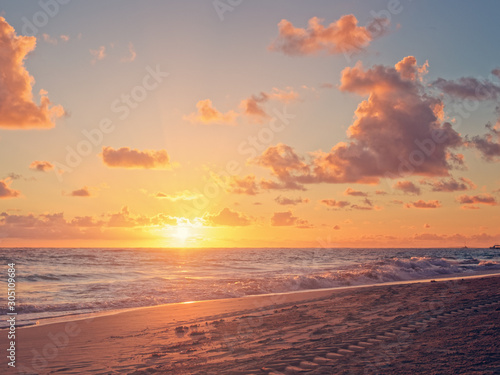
point(83, 192)
point(132, 53)
point(207, 114)
point(185, 195)
point(6, 191)
point(98, 54)
point(424, 204)
point(243, 185)
point(126, 157)
point(341, 36)
point(55, 226)
point(286, 218)
point(17, 108)
point(253, 106)
point(481, 198)
point(226, 217)
point(407, 187)
point(41, 166)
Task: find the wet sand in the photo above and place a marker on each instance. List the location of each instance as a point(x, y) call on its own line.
point(442, 327)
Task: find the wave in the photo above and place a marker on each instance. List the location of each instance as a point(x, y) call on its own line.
point(80, 293)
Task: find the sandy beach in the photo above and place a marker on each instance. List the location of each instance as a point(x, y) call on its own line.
point(441, 327)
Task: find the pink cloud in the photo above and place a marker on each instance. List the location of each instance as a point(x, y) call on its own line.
point(208, 114)
point(132, 54)
point(126, 157)
point(98, 54)
point(341, 36)
point(424, 204)
point(450, 184)
point(41, 166)
point(335, 203)
point(355, 193)
point(474, 199)
point(286, 165)
point(469, 88)
point(398, 131)
point(5, 190)
point(407, 187)
point(17, 108)
point(253, 106)
point(83, 192)
point(488, 144)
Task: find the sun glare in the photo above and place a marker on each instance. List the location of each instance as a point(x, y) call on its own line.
point(182, 233)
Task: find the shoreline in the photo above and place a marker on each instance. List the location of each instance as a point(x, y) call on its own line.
point(274, 332)
point(95, 315)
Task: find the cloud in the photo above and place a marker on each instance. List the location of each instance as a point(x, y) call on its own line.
point(468, 88)
point(426, 226)
point(5, 190)
point(449, 185)
point(253, 106)
point(132, 53)
point(286, 218)
point(341, 36)
point(83, 192)
point(488, 144)
point(335, 203)
point(336, 227)
point(398, 131)
point(407, 187)
point(227, 217)
point(355, 193)
point(64, 38)
point(184, 195)
point(280, 219)
point(17, 108)
point(48, 39)
point(56, 226)
point(41, 166)
point(126, 157)
point(207, 114)
point(284, 201)
point(98, 54)
point(380, 192)
point(243, 185)
point(286, 165)
point(363, 208)
point(85, 221)
point(475, 199)
point(423, 204)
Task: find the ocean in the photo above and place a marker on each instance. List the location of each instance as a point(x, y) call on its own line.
point(67, 282)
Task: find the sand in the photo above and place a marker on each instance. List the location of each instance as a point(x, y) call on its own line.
point(442, 327)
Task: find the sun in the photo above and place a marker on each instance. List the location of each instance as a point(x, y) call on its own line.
point(182, 233)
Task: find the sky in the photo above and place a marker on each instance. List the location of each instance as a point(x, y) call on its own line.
point(234, 123)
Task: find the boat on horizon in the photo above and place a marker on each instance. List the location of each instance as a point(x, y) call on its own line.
point(495, 247)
